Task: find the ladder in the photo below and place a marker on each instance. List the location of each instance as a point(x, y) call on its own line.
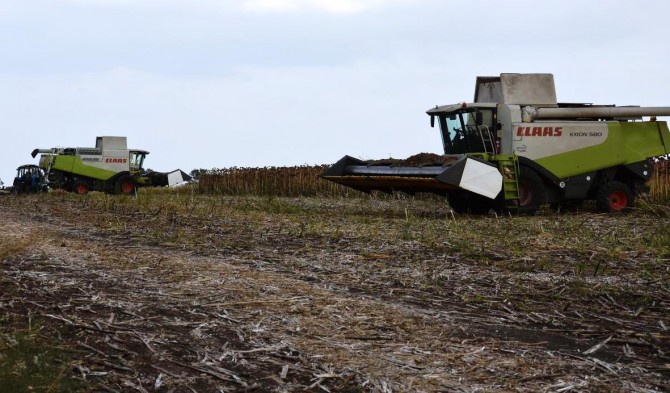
point(487, 140)
point(509, 168)
point(485, 136)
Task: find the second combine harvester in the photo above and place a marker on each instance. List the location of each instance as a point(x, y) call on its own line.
point(108, 167)
point(516, 148)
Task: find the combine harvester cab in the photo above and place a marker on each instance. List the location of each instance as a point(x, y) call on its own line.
point(516, 148)
point(108, 167)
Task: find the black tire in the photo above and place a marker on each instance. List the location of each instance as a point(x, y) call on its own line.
point(614, 197)
point(125, 185)
point(532, 194)
point(465, 202)
point(81, 187)
point(17, 187)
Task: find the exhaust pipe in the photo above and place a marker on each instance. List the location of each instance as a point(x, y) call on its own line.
point(42, 151)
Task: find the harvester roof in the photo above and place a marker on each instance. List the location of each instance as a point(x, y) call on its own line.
point(460, 107)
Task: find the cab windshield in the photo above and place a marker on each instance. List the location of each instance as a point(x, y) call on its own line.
point(136, 160)
point(468, 132)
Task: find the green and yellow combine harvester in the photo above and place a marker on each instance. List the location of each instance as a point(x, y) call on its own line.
point(108, 167)
point(516, 148)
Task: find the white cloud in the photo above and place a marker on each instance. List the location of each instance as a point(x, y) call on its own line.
point(335, 6)
point(263, 6)
point(331, 6)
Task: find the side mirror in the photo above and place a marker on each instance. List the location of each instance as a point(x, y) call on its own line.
point(432, 121)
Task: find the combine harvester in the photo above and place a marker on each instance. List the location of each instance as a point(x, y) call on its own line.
point(108, 167)
point(516, 148)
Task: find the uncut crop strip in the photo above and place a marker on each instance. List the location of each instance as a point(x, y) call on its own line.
point(659, 184)
point(305, 181)
point(270, 181)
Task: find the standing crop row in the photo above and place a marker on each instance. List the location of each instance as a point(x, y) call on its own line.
point(305, 181)
point(270, 181)
point(659, 184)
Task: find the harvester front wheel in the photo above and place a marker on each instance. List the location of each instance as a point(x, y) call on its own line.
point(125, 185)
point(531, 192)
point(614, 197)
point(463, 203)
point(81, 187)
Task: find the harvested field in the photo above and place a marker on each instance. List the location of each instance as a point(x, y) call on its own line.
point(186, 292)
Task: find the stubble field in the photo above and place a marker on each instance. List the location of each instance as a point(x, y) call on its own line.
point(172, 291)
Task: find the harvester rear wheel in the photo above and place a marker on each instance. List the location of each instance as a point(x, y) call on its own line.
point(614, 197)
point(125, 185)
point(81, 187)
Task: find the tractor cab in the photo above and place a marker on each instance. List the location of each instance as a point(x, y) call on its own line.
point(30, 179)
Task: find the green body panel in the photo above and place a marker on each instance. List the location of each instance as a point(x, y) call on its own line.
point(142, 181)
point(645, 140)
point(73, 164)
point(627, 143)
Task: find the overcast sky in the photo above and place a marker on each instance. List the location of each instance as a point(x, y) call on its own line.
point(221, 83)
